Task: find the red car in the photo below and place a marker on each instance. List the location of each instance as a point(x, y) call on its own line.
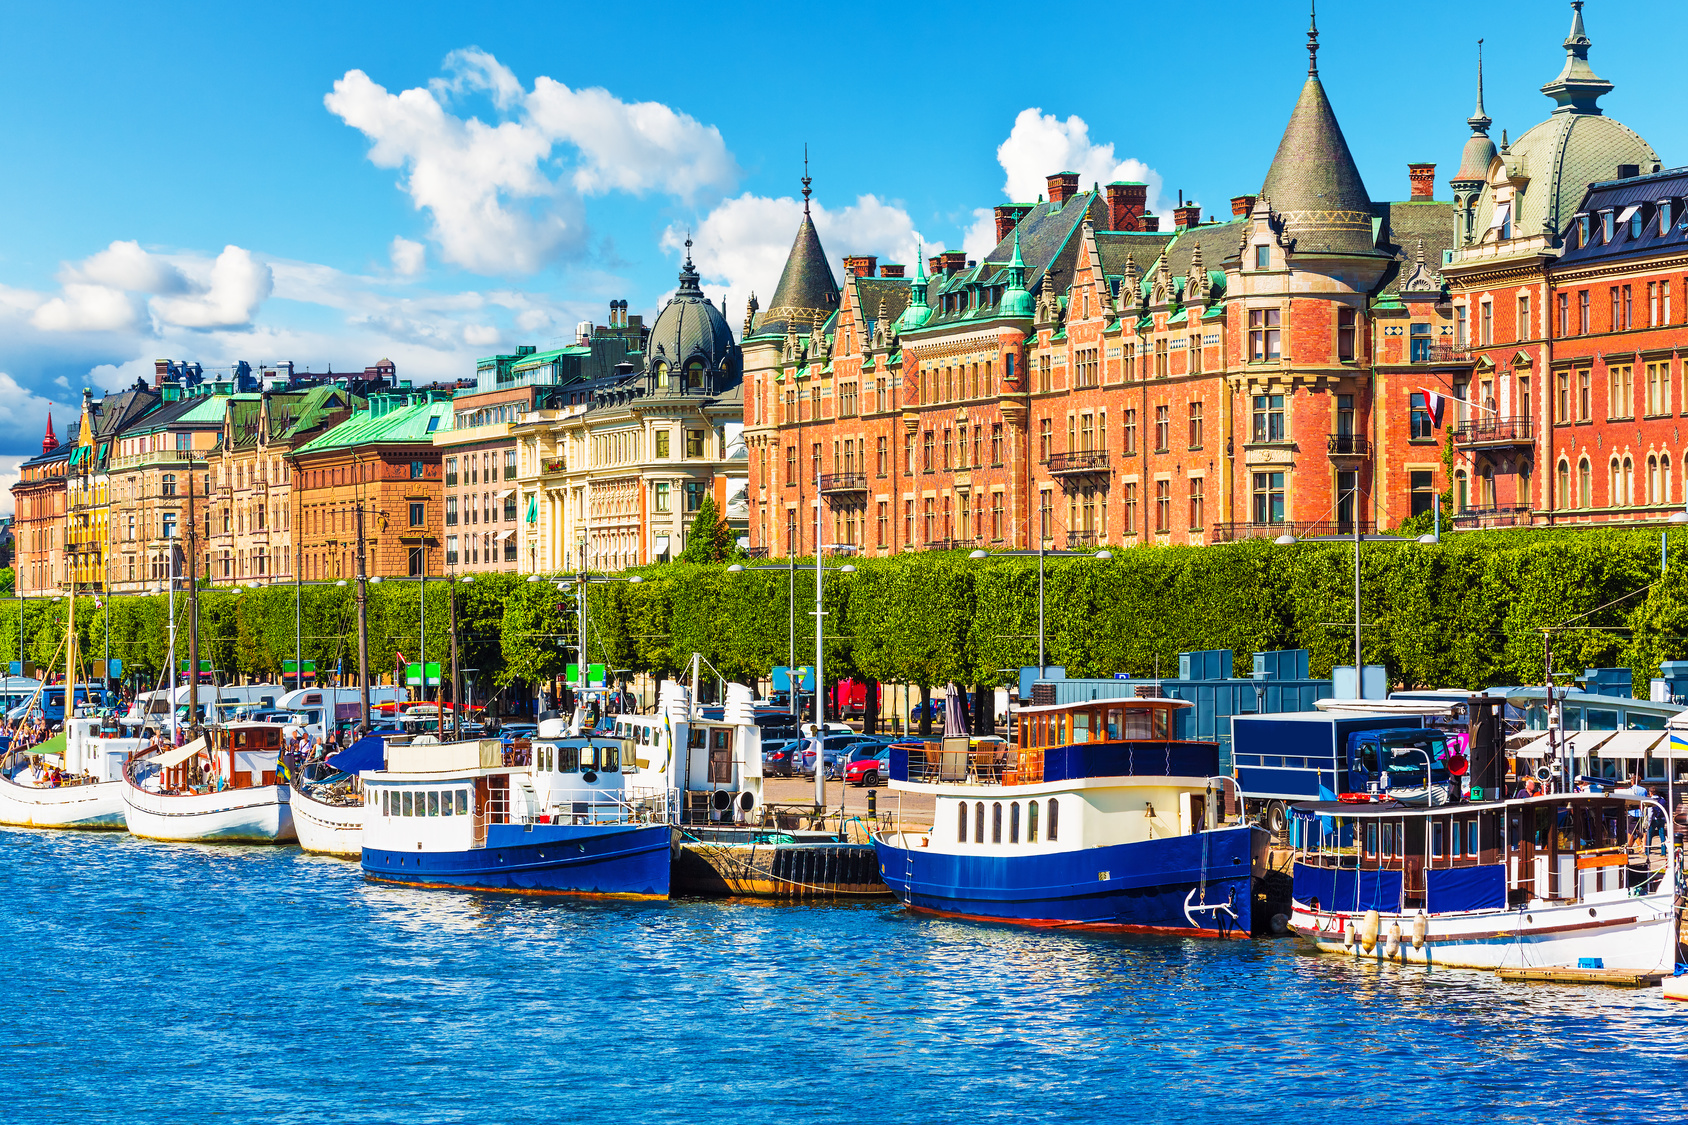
point(869, 771)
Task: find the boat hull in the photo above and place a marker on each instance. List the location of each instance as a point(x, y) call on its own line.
point(609, 861)
point(98, 806)
point(261, 814)
point(327, 829)
point(1631, 932)
point(1151, 886)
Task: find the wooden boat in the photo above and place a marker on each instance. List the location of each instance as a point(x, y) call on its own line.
point(220, 788)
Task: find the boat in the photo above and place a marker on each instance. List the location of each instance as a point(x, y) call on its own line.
point(221, 787)
point(328, 801)
point(554, 819)
point(1552, 880)
point(1099, 818)
point(72, 780)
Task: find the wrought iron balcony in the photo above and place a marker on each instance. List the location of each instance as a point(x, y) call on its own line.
point(1348, 445)
point(844, 482)
point(1231, 532)
point(1516, 515)
point(1496, 431)
point(1079, 461)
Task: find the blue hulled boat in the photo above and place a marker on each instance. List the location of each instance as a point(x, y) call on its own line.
point(553, 819)
point(1098, 818)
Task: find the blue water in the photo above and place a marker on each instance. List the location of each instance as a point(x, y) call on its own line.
point(149, 982)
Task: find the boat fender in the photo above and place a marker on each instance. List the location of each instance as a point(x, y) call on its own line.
point(1421, 929)
point(1392, 946)
point(1369, 927)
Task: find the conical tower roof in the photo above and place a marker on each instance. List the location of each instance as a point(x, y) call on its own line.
point(1313, 182)
point(807, 293)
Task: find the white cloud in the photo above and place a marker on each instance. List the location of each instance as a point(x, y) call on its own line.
point(1040, 144)
point(743, 243)
point(493, 206)
point(239, 284)
point(408, 257)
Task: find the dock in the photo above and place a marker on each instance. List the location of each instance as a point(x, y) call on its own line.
point(1564, 974)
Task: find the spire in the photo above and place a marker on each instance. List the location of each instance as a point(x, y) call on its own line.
point(1578, 88)
point(1313, 39)
point(51, 441)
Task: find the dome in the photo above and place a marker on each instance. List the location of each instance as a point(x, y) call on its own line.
point(690, 334)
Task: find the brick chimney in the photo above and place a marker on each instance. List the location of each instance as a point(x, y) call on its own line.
point(891, 269)
point(1150, 223)
point(1062, 187)
point(952, 261)
point(860, 265)
point(1127, 201)
point(1008, 216)
point(1423, 177)
point(1187, 216)
point(1242, 204)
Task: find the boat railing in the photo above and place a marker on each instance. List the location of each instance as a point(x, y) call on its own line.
point(578, 806)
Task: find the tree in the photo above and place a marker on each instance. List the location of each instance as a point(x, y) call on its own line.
point(706, 542)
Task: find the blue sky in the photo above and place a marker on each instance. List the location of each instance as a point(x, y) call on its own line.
point(333, 183)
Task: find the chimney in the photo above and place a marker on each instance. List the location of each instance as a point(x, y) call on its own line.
point(1151, 223)
point(1008, 216)
point(891, 269)
point(860, 265)
point(1423, 177)
point(1062, 187)
point(1127, 200)
point(1241, 205)
point(1186, 216)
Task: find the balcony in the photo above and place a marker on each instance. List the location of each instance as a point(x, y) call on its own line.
point(1232, 532)
point(844, 482)
point(1078, 462)
point(1474, 519)
point(1347, 445)
point(1496, 431)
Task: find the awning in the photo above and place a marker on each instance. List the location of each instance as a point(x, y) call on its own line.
point(505, 534)
point(367, 753)
point(1627, 213)
point(179, 755)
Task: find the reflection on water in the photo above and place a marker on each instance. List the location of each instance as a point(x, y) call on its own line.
point(152, 982)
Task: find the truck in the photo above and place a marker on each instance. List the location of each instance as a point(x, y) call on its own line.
point(1313, 756)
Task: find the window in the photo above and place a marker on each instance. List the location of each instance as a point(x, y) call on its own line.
point(661, 439)
point(450, 471)
point(694, 495)
point(1195, 425)
point(1346, 322)
point(1196, 503)
point(1620, 392)
point(1163, 428)
point(1163, 506)
point(1130, 446)
point(663, 504)
point(1263, 257)
point(1268, 418)
point(1268, 498)
point(1423, 491)
point(1263, 335)
point(416, 471)
point(694, 443)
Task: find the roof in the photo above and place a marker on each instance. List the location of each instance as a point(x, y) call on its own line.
point(382, 422)
point(1643, 193)
point(807, 291)
point(1313, 183)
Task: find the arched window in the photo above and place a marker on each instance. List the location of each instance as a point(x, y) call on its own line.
point(1014, 823)
point(996, 822)
point(1031, 822)
point(961, 825)
point(1585, 484)
point(1054, 821)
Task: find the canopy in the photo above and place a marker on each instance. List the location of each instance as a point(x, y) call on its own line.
point(367, 753)
point(54, 745)
point(179, 755)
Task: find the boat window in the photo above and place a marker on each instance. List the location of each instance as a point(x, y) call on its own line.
point(1437, 845)
point(1162, 727)
point(1031, 822)
point(996, 822)
point(1371, 839)
point(1054, 810)
point(407, 800)
point(1601, 719)
point(1014, 823)
point(568, 759)
point(433, 804)
point(979, 823)
point(961, 825)
point(1081, 726)
point(588, 758)
point(1114, 716)
point(1471, 848)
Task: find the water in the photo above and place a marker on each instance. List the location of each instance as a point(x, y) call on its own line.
point(151, 982)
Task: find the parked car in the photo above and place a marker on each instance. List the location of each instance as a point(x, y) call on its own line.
point(869, 771)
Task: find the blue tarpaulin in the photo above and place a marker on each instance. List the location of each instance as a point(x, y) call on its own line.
point(367, 753)
point(1465, 888)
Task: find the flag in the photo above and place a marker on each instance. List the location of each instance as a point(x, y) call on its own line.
point(1433, 402)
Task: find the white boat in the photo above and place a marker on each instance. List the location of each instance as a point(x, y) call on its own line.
point(329, 801)
point(88, 792)
point(222, 790)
